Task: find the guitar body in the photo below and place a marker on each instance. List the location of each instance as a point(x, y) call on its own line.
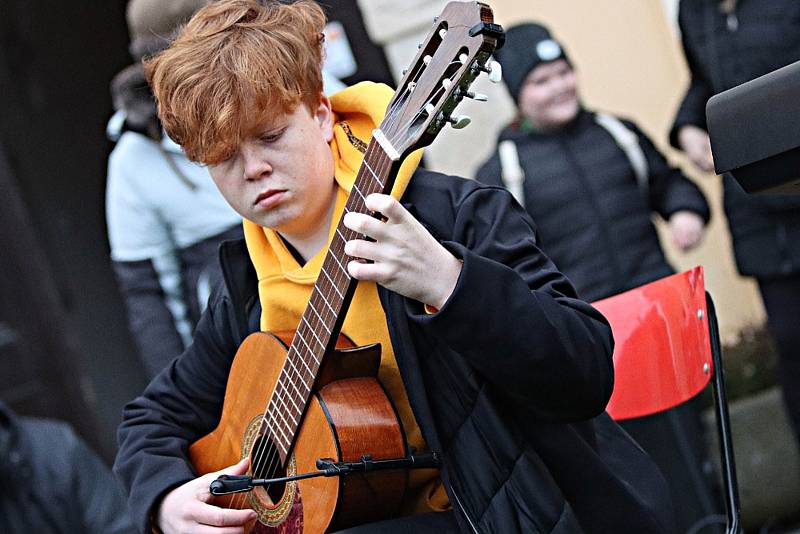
point(347, 416)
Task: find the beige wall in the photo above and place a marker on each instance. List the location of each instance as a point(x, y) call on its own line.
point(629, 62)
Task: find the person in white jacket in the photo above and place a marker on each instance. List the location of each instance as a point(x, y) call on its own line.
point(165, 218)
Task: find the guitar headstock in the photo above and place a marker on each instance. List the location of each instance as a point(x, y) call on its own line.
point(455, 51)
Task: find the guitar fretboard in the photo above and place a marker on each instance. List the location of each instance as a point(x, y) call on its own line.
point(322, 319)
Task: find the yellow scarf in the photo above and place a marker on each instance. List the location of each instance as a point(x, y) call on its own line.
point(284, 286)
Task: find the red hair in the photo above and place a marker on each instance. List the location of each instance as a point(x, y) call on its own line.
point(234, 65)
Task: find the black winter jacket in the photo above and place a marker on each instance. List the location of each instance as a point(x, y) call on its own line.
point(592, 216)
point(724, 51)
point(51, 482)
point(507, 381)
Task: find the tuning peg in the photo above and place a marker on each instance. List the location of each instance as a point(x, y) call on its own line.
point(447, 83)
point(478, 97)
point(495, 71)
point(492, 68)
point(442, 33)
point(463, 58)
point(459, 122)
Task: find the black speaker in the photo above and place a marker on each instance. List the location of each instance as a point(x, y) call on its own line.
point(755, 132)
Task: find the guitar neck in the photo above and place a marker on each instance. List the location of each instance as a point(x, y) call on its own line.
point(322, 319)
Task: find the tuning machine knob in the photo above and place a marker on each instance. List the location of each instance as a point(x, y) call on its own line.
point(460, 121)
point(493, 69)
point(477, 97)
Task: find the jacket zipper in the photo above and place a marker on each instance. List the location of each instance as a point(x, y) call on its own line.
point(463, 511)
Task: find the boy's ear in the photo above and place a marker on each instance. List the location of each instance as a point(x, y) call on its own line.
point(324, 117)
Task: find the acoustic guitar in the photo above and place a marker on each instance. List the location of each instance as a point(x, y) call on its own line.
point(306, 405)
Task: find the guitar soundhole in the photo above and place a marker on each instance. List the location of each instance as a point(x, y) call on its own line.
point(266, 463)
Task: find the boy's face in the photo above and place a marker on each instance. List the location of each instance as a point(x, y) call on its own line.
point(549, 95)
point(282, 176)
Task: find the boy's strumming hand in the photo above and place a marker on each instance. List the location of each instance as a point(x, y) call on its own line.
point(187, 508)
point(405, 257)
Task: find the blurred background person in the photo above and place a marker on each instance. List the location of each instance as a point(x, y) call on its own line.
point(727, 43)
point(591, 182)
point(51, 482)
point(165, 217)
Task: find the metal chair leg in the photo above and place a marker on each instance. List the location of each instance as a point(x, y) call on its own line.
point(723, 425)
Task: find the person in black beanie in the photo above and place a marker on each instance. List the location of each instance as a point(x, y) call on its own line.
point(588, 179)
point(527, 46)
point(591, 182)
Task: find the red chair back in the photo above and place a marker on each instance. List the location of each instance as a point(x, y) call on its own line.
point(666, 350)
point(662, 353)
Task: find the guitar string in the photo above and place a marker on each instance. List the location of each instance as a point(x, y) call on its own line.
point(329, 316)
point(272, 422)
point(392, 120)
point(357, 205)
point(405, 128)
point(268, 418)
point(259, 454)
point(388, 129)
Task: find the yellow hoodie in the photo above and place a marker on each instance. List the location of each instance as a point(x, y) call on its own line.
point(285, 286)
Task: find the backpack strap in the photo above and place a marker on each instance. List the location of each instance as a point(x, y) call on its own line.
point(510, 170)
point(629, 143)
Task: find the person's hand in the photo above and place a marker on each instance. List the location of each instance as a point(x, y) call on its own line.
point(187, 508)
point(406, 258)
point(686, 228)
point(695, 142)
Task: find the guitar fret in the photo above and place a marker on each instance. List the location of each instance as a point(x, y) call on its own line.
point(321, 344)
point(322, 296)
point(333, 255)
point(322, 319)
point(272, 425)
point(310, 372)
point(289, 393)
point(296, 370)
point(278, 426)
point(302, 393)
point(333, 284)
point(284, 448)
point(285, 429)
point(356, 189)
point(342, 237)
point(283, 410)
point(290, 366)
point(372, 172)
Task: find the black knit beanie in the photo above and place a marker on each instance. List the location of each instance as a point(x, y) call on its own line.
point(527, 46)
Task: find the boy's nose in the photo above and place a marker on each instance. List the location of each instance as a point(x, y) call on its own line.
point(256, 165)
